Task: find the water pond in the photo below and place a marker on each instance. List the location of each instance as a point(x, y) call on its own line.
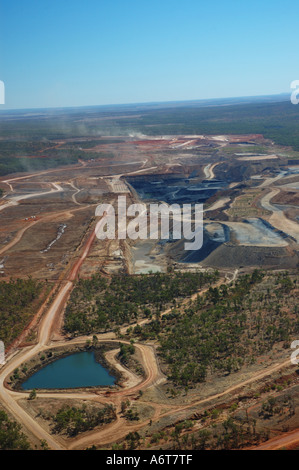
point(77, 370)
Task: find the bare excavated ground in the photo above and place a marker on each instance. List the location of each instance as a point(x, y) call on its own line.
point(41, 233)
point(46, 215)
point(30, 258)
point(72, 193)
point(287, 197)
point(42, 236)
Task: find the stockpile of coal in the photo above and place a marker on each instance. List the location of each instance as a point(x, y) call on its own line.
point(175, 189)
point(232, 256)
point(212, 239)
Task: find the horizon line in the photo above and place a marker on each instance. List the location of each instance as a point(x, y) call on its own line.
point(144, 103)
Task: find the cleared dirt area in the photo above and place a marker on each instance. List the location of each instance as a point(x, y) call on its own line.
point(286, 198)
point(278, 218)
point(48, 232)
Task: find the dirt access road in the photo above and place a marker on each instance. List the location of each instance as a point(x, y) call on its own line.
point(43, 339)
point(8, 397)
point(289, 440)
point(119, 428)
point(278, 218)
point(13, 201)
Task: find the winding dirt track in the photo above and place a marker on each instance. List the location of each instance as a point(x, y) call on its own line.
point(18, 237)
point(288, 440)
point(43, 339)
point(65, 213)
point(119, 432)
point(8, 397)
point(209, 170)
point(119, 428)
point(278, 218)
point(14, 201)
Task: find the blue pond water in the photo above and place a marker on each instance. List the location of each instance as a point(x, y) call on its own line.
point(77, 370)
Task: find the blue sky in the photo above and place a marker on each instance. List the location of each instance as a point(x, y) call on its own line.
point(90, 52)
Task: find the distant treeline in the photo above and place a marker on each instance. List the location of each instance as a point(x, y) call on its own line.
point(20, 156)
point(276, 121)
